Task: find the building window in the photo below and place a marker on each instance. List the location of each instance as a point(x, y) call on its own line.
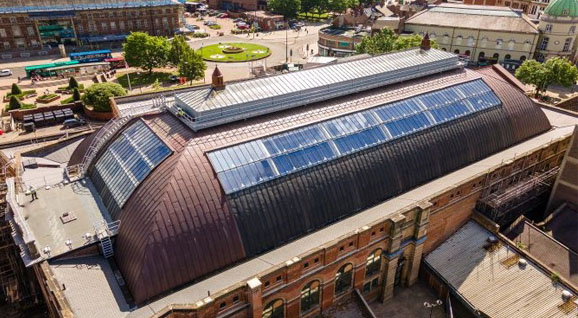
point(6, 44)
point(310, 296)
point(12, 20)
point(343, 279)
point(16, 31)
point(467, 53)
point(457, 51)
point(121, 25)
point(507, 57)
point(544, 43)
point(79, 28)
point(481, 56)
point(111, 14)
point(144, 24)
point(459, 40)
point(484, 42)
point(511, 44)
point(548, 28)
point(432, 36)
point(572, 29)
point(3, 33)
point(496, 56)
point(499, 43)
point(446, 38)
point(565, 12)
point(567, 45)
point(113, 25)
point(527, 45)
point(102, 15)
point(274, 309)
point(34, 43)
point(30, 31)
point(470, 41)
point(522, 58)
point(104, 26)
point(20, 43)
point(373, 263)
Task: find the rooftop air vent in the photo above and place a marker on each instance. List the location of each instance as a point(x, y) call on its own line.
point(492, 239)
point(566, 295)
point(522, 263)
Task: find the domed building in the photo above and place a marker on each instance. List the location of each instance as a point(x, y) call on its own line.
point(558, 30)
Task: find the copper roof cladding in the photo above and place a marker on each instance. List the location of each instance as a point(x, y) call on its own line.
point(179, 225)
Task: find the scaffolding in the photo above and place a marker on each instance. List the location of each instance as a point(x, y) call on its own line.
point(505, 204)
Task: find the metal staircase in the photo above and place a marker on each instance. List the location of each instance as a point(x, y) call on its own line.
point(104, 231)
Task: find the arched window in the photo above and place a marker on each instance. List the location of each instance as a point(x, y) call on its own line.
point(444, 49)
point(446, 38)
point(467, 52)
point(274, 309)
point(572, 29)
point(522, 58)
point(499, 43)
point(432, 36)
point(511, 44)
point(343, 278)
point(373, 263)
point(484, 42)
point(470, 41)
point(459, 40)
point(507, 57)
point(496, 56)
point(527, 45)
point(548, 28)
point(310, 296)
point(457, 51)
point(482, 55)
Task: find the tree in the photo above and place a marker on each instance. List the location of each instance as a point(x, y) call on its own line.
point(307, 6)
point(411, 41)
point(72, 83)
point(338, 5)
point(192, 66)
point(15, 89)
point(75, 94)
point(179, 46)
point(145, 51)
point(287, 8)
point(386, 40)
point(556, 70)
point(380, 42)
point(98, 95)
point(15, 103)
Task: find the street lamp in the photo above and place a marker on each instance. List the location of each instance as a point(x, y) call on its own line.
point(431, 306)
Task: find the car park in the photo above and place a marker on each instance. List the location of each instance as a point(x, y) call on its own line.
point(5, 72)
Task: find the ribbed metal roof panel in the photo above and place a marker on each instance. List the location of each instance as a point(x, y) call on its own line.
point(485, 282)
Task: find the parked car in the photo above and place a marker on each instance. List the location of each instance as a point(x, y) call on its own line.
point(173, 78)
point(222, 16)
point(211, 23)
point(243, 27)
point(5, 73)
point(238, 20)
point(73, 122)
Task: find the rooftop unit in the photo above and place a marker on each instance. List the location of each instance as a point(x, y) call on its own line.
point(208, 107)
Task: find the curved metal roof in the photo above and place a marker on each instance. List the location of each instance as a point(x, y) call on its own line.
point(562, 8)
point(180, 225)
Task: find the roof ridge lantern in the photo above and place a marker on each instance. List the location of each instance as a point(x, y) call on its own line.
point(425, 43)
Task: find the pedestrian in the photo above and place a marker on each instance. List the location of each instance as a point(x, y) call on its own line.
point(18, 79)
point(33, 193)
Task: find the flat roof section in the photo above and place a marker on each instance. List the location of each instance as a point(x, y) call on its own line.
point(43, 216)
point(494, 282)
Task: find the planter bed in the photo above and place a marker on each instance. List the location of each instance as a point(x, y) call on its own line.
point(45, 99)
point(24, 95)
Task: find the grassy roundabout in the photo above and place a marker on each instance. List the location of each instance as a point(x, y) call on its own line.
point(234, 52)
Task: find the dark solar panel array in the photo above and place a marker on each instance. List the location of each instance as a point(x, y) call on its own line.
point(245, 165)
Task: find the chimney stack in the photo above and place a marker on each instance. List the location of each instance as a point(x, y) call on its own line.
point(217, 82)
point(425, 43)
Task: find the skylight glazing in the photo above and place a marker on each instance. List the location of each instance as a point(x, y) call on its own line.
point(126, 162)
point(245, 165)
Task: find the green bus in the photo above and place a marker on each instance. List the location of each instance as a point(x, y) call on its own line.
point(47, 70)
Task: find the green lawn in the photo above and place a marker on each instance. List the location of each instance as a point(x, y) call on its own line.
point(24, 106)
point(143, 78)
point(321, 16)
point(250, 52)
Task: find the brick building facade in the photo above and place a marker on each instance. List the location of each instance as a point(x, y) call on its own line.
point(23, 29)
point(376, 259)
